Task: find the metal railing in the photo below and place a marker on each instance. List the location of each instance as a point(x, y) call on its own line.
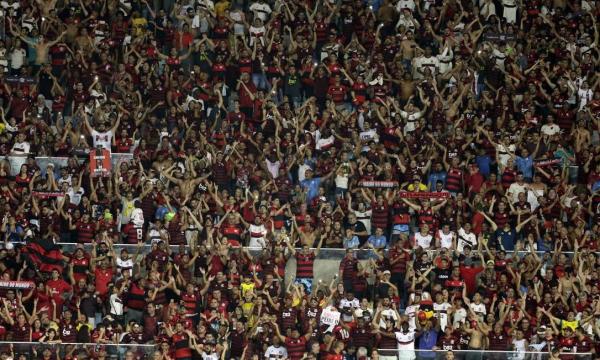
point(324, 254)
point(146, 351)
point(34, 350)
point(512, 354)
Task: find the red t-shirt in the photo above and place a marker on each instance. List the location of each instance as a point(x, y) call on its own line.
point(468, 275)
point(103, 278)
point(58, 287)
point(334, 357)
point(245, 98)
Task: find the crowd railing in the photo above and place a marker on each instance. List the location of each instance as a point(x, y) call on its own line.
point(36, 350)
point(33, 350)
point(512, 353)
point(324, 253)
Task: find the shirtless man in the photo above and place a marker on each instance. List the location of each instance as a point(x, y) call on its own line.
point(477, 332)
point(42, 46)
point(46, 7)
point(408, 86)
point(188, 181)
point(408, 48)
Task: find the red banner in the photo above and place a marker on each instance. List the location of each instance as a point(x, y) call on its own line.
point(17, 284)
point(47, 194)
point(547, 162)
point(100, 164)
point(424, 195)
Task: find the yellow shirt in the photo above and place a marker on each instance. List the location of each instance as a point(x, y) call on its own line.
point(139, 26)
point(128, 208)
point(221, 7)
point(569, 324)
point(247, 287)
point(412, 187)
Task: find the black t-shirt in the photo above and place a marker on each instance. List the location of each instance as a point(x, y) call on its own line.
point(45, 85)
point(441, 275)
point(292, 85)
point(89, 306)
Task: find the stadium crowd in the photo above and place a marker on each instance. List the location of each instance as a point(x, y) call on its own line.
point(449, 149)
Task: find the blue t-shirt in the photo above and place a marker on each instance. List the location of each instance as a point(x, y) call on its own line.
point(434, 177)
point(378, 242)
point(525, 165)
point(312, 187)
point(544, 246)
point(427, 340)
point(596, 186)
point(352, 243)
point(484, 163)
point(507, 239)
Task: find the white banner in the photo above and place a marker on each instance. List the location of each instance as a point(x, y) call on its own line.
point(331, 317)
point(13, 284)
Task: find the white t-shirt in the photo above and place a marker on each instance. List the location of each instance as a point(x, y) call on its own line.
point(405, 4)
point(103, 139)
point(364, 217)
point(116, 305)
point(514, 189)
point(411, 312)
point(500, 58)
point(155, 235)
point(137, 217)
point(478, 309)
point(302, 172)
point(68, 180)
point(324, 143)
point(466, 239)
point(405, 341)
point(238, 25)
point(341, 181)
point(75, 196)
point(443, 313)
point(369, 135)
point(459, 317)
point(345, 303)
point(503, 153)
point(423, 62)
point(273, 167)
point(262, 10)
point(411, 118)
point(17, 58)
point(584, 95)
point(488, 9)
point(21, 148)
point(211, 356)
point(206, 4)
point(550, 129)
point(423, 241)
point(276, 352)
point(257, 235)
point(125, 264)
point(257, 33)
point(406, 22)
point(387, 313)
point(445, 239)
point(445, 60)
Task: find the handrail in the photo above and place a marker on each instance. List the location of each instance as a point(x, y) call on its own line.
point(481, 351)
point(342, 251)
point(78, 344)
